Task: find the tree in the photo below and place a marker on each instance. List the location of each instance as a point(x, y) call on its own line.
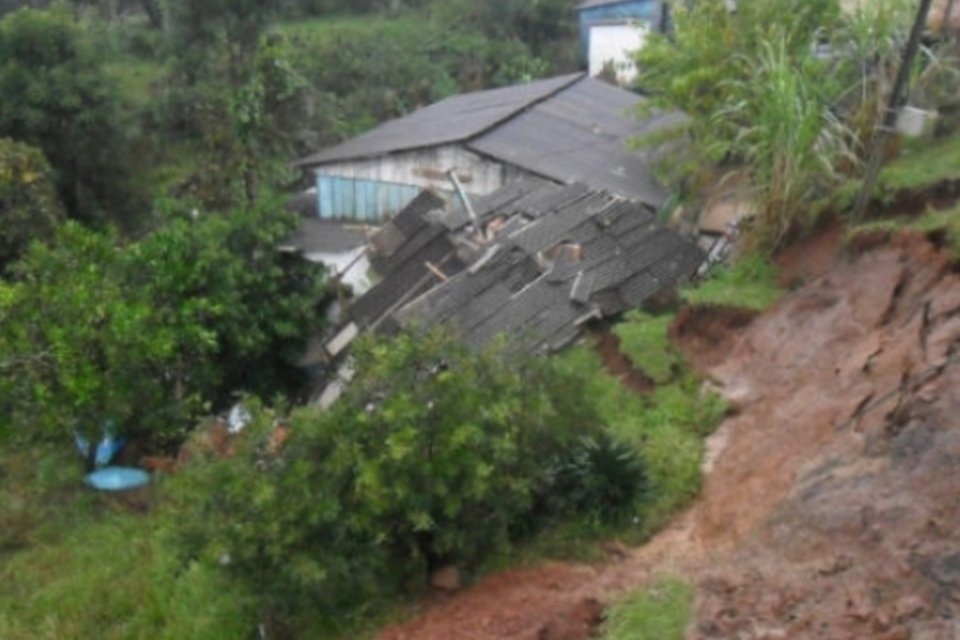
point(66, 106)
point(231, 85)
point(153, 333)
point(435, 454)
point(29, 206)
point(760, 103)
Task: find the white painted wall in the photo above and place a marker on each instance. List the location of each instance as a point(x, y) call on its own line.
point(357, 277)
point(425, 168)
point(617, 42)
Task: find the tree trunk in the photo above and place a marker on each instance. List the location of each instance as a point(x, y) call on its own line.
point(154, 13)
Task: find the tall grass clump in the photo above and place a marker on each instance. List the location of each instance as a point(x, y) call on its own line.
point(789, 138)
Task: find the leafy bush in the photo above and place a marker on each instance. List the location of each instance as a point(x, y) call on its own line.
point(667, 428)
point(600, 477)
point(29, 206)
point(149, 332)
point(58, 98)
point(434, 455)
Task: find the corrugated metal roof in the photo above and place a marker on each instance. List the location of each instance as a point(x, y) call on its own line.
point(623, 258)
point(591, 4)
point(454, 119)
point(325, 236)
point(580, 135)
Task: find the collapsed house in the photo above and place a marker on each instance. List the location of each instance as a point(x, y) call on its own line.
point(567, 129)
point(534, 261)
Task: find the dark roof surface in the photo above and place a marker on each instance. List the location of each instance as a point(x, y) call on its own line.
point(580, 135)
point(326, 236)
point(564, 255)
point(400, 253)
point(567, 129)
point(454, 119)
point(590, 4)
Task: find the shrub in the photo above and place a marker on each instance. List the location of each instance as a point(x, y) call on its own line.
point(434, 455)
point(157, 328)
point(599, 477)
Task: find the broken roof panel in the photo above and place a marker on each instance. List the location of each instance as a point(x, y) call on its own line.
point(404, 252)
point(611, 256)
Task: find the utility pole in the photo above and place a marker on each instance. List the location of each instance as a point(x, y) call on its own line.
point(948, 20)
point(881, 135)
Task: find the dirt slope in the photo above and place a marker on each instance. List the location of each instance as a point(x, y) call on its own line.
point(831, 507)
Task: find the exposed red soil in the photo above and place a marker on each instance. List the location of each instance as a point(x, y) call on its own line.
point(618, 364)
point(811, 257)
point(703, 333)
point(831, 499)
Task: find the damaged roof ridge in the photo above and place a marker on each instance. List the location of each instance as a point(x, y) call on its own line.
point(558, 208)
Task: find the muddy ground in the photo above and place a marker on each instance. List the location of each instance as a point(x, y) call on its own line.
point(831, 503)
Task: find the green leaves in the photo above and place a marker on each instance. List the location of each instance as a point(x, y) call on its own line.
point(59, 99)
point(149, 332)
point(434, 455)
point(29, 206)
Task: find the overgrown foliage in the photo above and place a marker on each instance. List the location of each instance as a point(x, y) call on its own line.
point(435, 455)
point(149, 333)
point(56, 97)
point(668, 427)
point(29, 206)
point(785, 94)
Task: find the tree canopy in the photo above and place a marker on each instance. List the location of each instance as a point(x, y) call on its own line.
point(66, 106)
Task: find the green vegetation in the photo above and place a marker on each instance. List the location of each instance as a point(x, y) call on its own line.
point(788, 126)
point(918, 167)
point(114, 579)
point(751, 284)
point(160, 329)
point(65, 106)
point(667, 428)
point(643, 339)
point(943, 226)
point(660, 611)
point(435, 455)
point(75, 564)
point(29, 207)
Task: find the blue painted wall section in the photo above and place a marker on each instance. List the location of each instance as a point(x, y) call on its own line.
point(652, 11)
point(361, 200)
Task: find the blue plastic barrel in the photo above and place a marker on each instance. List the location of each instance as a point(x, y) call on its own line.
point(118, 479)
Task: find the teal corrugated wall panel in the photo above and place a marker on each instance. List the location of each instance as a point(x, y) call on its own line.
point(361, 200)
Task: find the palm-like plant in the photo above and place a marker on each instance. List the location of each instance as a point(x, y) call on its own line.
point(788, 136)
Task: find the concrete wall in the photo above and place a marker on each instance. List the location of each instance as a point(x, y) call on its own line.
point(616, 43)
point(358, 275)
point(650, 11)
point(375, 190)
